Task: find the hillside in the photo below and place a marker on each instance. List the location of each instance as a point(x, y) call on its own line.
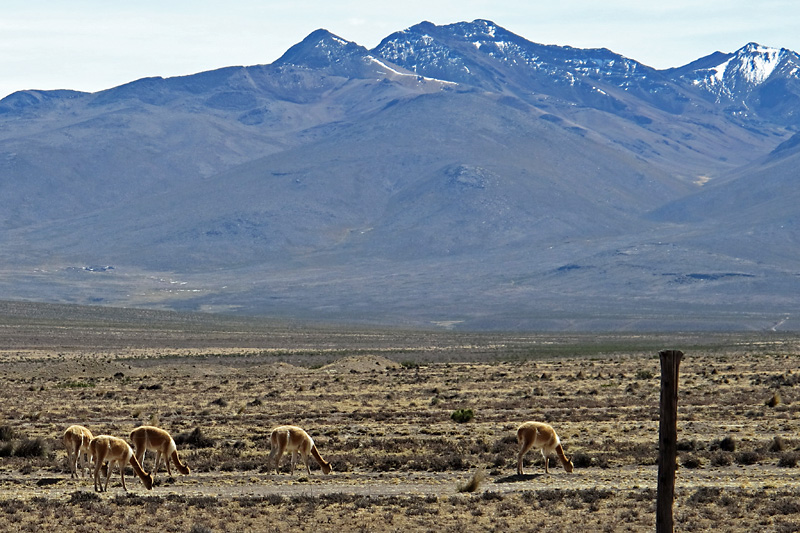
point(457, 176)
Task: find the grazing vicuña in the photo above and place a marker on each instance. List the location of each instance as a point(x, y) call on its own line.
point(158, 440)
point(540, 436)
point(114, 450)
point(293, 439)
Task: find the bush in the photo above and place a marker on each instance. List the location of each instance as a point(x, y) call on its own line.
point(6, 433)
point(581, 460)
point(727, 444)
point(721, 459)
point(474, 482)
point(788, 460)
point(462, 415)
point(82, 496)
point(705, 495)
point(748, 458)
point(195, 438)
point(31, 448)
point(221, 402)
point(691, 462)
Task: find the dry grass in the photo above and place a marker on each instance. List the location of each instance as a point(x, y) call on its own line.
point(384, 420)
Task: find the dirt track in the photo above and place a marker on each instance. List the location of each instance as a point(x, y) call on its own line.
point(233, 485)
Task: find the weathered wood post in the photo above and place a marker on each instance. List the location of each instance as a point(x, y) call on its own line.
point(667, 439)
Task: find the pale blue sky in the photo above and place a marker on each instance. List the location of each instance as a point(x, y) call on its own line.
point(91, 45)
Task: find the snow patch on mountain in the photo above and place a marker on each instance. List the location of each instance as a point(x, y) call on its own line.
point(749, 67)
point(399, 73)
point(758, 62)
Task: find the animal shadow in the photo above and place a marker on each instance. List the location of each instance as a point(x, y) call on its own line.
point(517, 478)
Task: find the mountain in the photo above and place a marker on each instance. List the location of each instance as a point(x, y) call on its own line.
point(754, 79)
point(455, 176)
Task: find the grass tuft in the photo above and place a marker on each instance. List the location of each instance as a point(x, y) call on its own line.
point(474, 482)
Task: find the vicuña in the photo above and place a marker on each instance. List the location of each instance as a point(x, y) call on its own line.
point(295, 440)
point(115, 450)
point(160, 441)
point(540, 436)
point(76, 441)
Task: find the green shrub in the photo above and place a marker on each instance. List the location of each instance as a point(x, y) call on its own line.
point(462, 415)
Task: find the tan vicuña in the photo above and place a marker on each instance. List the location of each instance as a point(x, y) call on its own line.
point(115, 450)
point(76, 441)
point(160, 441)
point(540, 436)
point(296, 441)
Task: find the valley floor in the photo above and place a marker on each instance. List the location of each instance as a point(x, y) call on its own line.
point(379, 406)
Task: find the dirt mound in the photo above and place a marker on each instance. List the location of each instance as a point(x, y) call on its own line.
point(361, 363)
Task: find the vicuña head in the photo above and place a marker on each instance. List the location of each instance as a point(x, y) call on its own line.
point(296, 441)
point(540, 436)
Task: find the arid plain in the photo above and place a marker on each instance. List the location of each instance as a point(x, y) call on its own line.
point(379, 404)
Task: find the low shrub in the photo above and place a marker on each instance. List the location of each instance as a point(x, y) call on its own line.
point(727, 444)
point(748, 458)
point(778, 444)
point(582, 460)
point(721, 459)
point(705, 495)
point(462, 415)
point(691, 462)
point(788, 460)
point(474, 482)
point(6, 433)
point(7, 450)
point(221, 402)
point(196, 438)
point(31, 448)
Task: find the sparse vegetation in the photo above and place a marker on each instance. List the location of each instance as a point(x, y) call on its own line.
point(388, 440)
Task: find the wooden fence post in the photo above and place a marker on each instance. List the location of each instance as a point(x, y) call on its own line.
point(667, 439)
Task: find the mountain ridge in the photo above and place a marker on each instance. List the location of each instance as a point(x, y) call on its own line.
point(455, 174)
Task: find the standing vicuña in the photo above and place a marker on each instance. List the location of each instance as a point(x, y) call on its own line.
point(156, 439)
point(114, 450)
point(296, 441)
point(76, 441)
point(540, 436)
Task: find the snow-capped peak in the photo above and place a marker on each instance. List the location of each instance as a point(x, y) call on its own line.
point(756, 62)
point(734, 76)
